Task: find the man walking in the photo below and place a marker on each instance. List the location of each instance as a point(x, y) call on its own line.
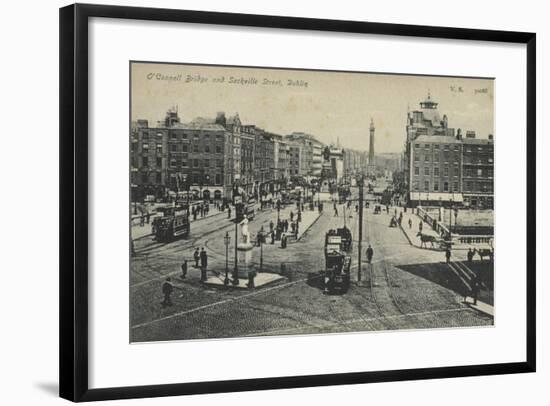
point(370, 253)
point(184, 269)
point(167, 289)
point(470, 255)
point(335, 210)
point(448, 255)
point(204, 264)
point(410, 224)
point(196, 257)
point(476, 285)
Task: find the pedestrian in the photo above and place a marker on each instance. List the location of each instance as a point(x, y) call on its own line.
point(291, 215)
point(420, 226)
point(299, 217)
point(203, 258)
point(167, 289)
point(370, 253)
point(196, 257)
point(448, 255)
point(410, 224)
point(204, 264)
point(335, 211)
point(148, 215)
point(141, 220)
point(470, 255)
point(228, 212)
point(476, 286)
point(272, 237)
point(184, 269)
point(271, 226)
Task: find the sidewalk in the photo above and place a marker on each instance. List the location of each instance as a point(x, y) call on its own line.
point(412, 233)
point(480, 306)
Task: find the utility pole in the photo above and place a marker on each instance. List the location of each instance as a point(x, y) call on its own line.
point(361, 181)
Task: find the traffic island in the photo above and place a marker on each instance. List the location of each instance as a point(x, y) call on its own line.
point(261, 280)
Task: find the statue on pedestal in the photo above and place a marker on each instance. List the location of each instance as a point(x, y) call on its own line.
point(244, 231)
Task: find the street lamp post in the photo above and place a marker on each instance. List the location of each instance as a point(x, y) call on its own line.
point(236, 266)
point(261, 241)
point(226, 241)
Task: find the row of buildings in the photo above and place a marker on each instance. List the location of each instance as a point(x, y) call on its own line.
point(219, 157)
point(443, 166)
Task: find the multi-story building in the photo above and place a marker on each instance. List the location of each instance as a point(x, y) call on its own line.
point(178, 157)
point(443, 168)
point(478, 171)
point(294, 161)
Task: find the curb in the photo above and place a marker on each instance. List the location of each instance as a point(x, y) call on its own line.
point(306, 230)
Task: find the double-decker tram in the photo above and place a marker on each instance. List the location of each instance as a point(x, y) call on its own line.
point(173, 224)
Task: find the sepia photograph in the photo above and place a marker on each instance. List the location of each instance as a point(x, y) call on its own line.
point(272, 201)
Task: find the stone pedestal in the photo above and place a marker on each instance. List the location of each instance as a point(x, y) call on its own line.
point(244, 259)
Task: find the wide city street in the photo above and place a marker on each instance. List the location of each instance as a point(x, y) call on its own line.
point(406, 287)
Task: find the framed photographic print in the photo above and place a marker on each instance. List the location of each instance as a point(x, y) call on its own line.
point(255, 202)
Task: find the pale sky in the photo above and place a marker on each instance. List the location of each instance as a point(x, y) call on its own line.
point(334, 104)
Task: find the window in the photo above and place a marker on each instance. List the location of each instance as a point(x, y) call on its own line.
point(417, 145)
point(184, 136)
point(446, 147)
point(173, 147)
point(195, 148)
point(145, 161)
point(457, 147)
point(445, 186)
point(468, 185)
point(436, 157)
point(446, 171)
point(218, 149)
point(455, 170)
point(436, 186)
point(207, 148)
point(436, 146)
point(144, 177)
point(219, 163)
point(206, 163)
point(159, 162)
point(195, 163)
point(416, 158)
point(426, 170)
point(173, 136)
point(145, 148)
point(416, 170)
point(427, 158)
point(426, 186)
point(427, 146)
point(172, 163)
point(490, 173)
point(159, 148)
point(134, 147)
point(145, 135)
point(159, 177)
point(218, 179)
point(196, 136)
point(184, 163)
point(455, 186)
point(436, 171)
point(185, 148)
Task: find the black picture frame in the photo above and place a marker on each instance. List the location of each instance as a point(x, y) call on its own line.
point(74, 196)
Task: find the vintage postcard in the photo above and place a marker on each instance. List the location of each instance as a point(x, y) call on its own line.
point(268, 201)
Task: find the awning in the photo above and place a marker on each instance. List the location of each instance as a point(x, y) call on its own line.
point(436, 197)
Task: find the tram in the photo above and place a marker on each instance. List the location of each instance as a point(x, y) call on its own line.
point(173, 224)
